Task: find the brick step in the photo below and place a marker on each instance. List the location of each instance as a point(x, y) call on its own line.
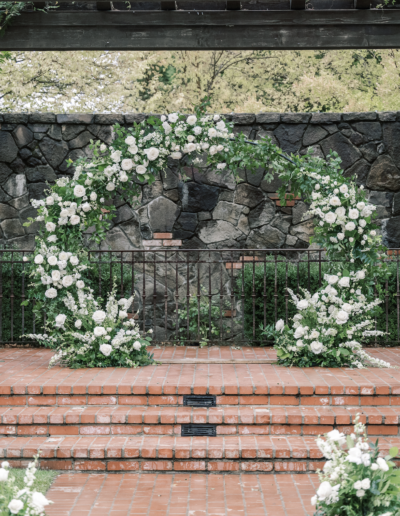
point(232, 453)
point(258, 420)
point(103, 399)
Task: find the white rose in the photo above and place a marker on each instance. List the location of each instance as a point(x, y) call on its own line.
point(133, 149)
point(353, 213)
point(173, 117)
point(3, 475)
point(74, 260)
point(55, 275)
point(60, 320)
point(80, 284)
point(360, 493)
point(324, 491)
point(299, 332)
point(365, 484)
point(123, 177)
point(39, 259)
point(302, 305)
point(221, 166)
point(105, 349)
point(86, 207)
point(362, 223)
point(333, 279)
point(50, 226)
point(299, 343)
point(342, 317)
point(52, 260)
point(344, 282)
point(191, 138)
point(126, 164)
point(360, 206)
point(137, 345)
point(316, 347)
point(350, 226)
point(382, 464)
point(122, 314)
point(103, 147)
point(167, 128)
point(191, 120)
point(99, 316)
point(314, 334)
point(130, 140)
point(212, 133)
point(5, 464)
point(213, 150)
point(93, 196)
point(64, 213)
point(374, 467)
point(99, 331)
point(373, 233)
point(340, 236)
point(140, 169)
point(347, 307)
point(110, 187)
point(354, 455)
point(15, 506)
point(360, 275)
point(280, 325)
point(330, 217)
point(39, 501)
point(79, 191)
point(341, 212)
point(335, 201)
point(314, 500)
point(176, 155)
point(116, 156)
point(191, 147)
point(51, 293)
point(343, 189)
point(205, 145)
point(336, 436)
point(49, 200)
point(74, 220)
point(197, 130)
point(78, 324)
point(67, 281)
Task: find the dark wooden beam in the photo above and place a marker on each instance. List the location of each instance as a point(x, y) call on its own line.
point(168, 5)
point(233, 5)
point(103, 6)
point(297, 4)
point(362, 4)
point(208, 30)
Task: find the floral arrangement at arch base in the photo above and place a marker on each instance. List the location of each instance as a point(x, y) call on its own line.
point(355, 480)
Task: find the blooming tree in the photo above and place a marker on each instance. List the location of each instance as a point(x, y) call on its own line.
point(356, 480)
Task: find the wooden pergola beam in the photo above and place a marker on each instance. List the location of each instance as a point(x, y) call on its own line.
point(207, 30)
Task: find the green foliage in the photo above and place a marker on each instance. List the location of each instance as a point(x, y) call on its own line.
point(270, 309)
point(202, 320)
point(42, 482)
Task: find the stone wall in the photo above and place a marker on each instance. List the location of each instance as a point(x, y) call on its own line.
point(210, 210)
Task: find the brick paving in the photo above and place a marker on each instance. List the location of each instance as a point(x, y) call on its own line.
point(182, 494)
point(136, 420)
point(24, 376)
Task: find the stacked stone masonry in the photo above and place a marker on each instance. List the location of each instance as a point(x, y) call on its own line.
point(209, 210)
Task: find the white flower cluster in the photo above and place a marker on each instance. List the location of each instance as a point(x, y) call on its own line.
point(332, 321)
point(345, 219)
point(350, 473)
point(24, 501)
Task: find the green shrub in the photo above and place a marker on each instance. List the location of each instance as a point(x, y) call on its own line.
point(270, 304)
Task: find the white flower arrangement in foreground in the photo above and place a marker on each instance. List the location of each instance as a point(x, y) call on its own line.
point(20, 501)
point(355, 480)
point(330, 325)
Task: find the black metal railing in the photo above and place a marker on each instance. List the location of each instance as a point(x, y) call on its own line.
point(197, 296)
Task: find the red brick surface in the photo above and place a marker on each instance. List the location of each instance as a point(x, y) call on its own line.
point(182, 494)
point(26, 379)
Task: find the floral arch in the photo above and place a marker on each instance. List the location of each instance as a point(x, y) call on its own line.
point(89, 332)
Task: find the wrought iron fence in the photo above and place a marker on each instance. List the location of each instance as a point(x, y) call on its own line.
point(197, 296)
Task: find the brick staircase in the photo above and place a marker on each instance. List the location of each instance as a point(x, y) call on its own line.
point(266, 417)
